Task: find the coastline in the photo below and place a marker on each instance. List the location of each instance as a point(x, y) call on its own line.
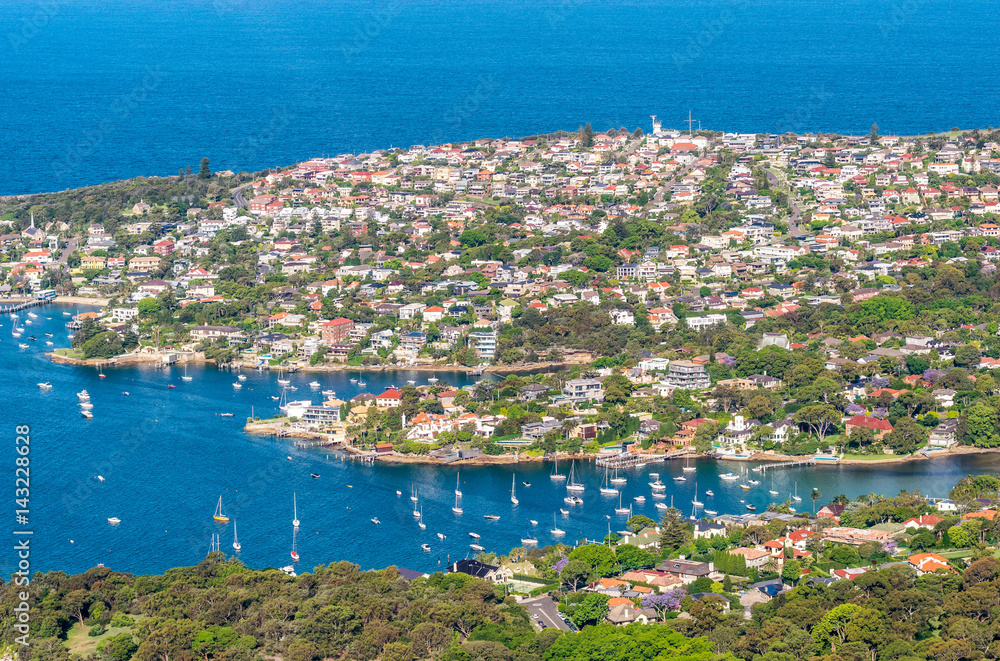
point(771, 457)
point(81, 300)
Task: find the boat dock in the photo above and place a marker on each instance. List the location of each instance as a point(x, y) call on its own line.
point(627, 460)
point(18, 306)
point(785, 464)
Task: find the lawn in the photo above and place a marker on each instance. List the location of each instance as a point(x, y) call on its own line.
point(82, 645)
point(70, 353)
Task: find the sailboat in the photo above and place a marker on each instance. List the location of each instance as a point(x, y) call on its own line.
point(295, 554)
point(618, 480)
point(282, 381)
point(573, 485)
point(513, 484)
point(457, 509)
point(236, 540)
point(688, 468)
point(528, 538)
point(696, 502)
point(607, 490)
point(621, 509)
point(556, 475)
point(458, 484)
point(295, 513)
point(219, 516)
point(556, 532)
point(413, 495)
point(772, 491)
point(186, 377)
point(420, 521)
point(100, 371)
point(795, 496)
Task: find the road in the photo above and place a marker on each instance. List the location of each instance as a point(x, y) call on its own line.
point(68, 249)
point(238, 198)
point(547, 611)
point(793, 223)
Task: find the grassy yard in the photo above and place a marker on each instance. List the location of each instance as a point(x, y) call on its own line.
point(871, 457)
point(70, 353)
point(82, 645)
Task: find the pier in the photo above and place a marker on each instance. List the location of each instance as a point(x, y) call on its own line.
point(18, 306)
point(628, 460)
point(811, 461)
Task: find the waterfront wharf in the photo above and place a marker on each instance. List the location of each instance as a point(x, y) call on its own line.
point(627, 460)
point(811, 461)
point(18, 306)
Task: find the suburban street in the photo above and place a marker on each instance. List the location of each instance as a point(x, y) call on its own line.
point(547, 612)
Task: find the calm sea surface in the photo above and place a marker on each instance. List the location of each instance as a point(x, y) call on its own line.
point(109, 90)
point(167, 456)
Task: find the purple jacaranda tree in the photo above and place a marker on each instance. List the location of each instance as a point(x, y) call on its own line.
point(880, 382)
point(889, 546)
point(560, 564)
point(855, 409)
point(729, 361)
point(880, 412)
point(932, 375)
point(662, 603)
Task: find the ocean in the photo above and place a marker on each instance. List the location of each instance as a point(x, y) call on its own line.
point(166, 457)
point(104, 91)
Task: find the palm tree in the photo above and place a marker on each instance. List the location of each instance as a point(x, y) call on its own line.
point(815, 495)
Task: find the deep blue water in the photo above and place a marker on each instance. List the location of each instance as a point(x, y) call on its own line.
point(166, 457)
point(115, 89)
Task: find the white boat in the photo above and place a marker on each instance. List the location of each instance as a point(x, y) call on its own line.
point(22, 345)
point(696, 502)
point(658, 486)
point(411, 382)
point(533, 522)
point(640, 499)
point(362, 384)
point(33, 315)
point(282, 381)
point(573, 500)
point(186, 377)
point(556, 532)
point(563, 512)
point(556, 475)
point(375, 520)
point(353, 380)
point(527, 539)
point(620, 509)
point(313, 384)
point(86, 406)
point(426, 548)
point(87, 414)
point(16, 334)
point(441, 536)
point(618, 480)
point(711, 513)
point(491, 517)
point(50, 344)
point(237, 385)
point(771, 490)
point(329, 393)
point(513, 484)
point(662, 506)
point(242, 377)
point(100, 478)
point(680, 478)
point(398, 492)
point(432, 380)
point(114, 520)
point(45, 386)
point(420, 521)
point(457, 509)
point(458, 484)
point(796, 496)
point(236, 540)
point(65, 314)
point(475, 535)
point(608, 490)
point(573, 485)
point(659, 494)
point(476, 547)
point(413, 495)
point(295, 512)
point(729, 477)
point(710, 493)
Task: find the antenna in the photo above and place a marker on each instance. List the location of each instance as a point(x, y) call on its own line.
point(690, 122)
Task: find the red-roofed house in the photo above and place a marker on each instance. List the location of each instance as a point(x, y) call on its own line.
point(337, 330)
point(390, 398)
point(928, 563)
point(880, 427)
point(925, 521)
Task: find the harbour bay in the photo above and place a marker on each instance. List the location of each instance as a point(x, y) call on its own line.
point(166, 456)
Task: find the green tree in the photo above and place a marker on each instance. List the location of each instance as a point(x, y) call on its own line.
point(204, 172)
point(981, 426)
point(674, 531)
point(591, 610)
point(576, 574)
point(639, 522)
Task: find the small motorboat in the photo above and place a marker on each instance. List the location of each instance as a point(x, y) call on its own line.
point(354, 380)
point(375, 520)
point(48, 335)
point(22, 345)
point(475, 535)
point(100, 478)
point(745, 487)
point(45, 386)
point(752, 508)
point(432, 380)
point(573, 500)
point(411, 382)
point(225, 415)
point(86, 406)
point(563, 512)
point(640, 499)
point(288, 458)
point(114, 520)
point(237, 385)
point(491, 517)
point(50, 344)
point(729, 477)
point(313, 384)
point(709, 493)
point(426, 548)
point(329, 393)
point(659, 495)
point(528, 540)
point(171, 386)
point(711, 513)
point(527, 484)
point(242, 377)
point(87, 414)
point(476, 547)
point(662, 506)
point(441, 536)
point(314, 475)
point(125, 393)
point(680, 478)
point(533, 522)
point(398, 492)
